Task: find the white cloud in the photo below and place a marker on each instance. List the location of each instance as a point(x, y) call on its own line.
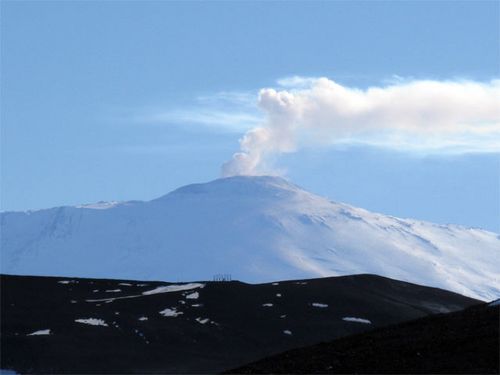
point(417, 115)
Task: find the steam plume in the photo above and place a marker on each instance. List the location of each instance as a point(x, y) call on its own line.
point(459, 116)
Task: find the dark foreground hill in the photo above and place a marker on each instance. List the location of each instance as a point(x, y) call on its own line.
point(464, 342)
point(55, 325)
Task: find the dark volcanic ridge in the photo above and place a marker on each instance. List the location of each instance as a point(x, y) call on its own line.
point(464, 342)
point(71, 325)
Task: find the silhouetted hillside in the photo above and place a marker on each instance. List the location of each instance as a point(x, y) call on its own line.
point(56, 325)
point(464, 342)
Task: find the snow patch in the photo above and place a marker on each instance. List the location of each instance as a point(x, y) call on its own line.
point(92, 322)
point(287, 332)
point(356, 320)
point(173, 288)
point(171, 312)
point(143, 318)
point(321, 305)
point(202, 321)
point(267, 304)
point(68, 282)
point(40, 332)
point(113, 290)
point(194, 295)
point(101, 205)
point(161, 289)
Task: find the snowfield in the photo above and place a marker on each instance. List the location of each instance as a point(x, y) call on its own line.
point(259, 229)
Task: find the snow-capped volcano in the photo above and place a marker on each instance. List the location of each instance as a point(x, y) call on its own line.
point(257, 229)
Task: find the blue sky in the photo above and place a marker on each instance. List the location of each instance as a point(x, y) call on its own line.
point(129, 100)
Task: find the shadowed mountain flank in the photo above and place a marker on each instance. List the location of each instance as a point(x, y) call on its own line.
point(464, 342)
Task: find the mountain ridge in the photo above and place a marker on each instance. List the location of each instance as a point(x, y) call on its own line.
point(257, 228)
point(199, 188)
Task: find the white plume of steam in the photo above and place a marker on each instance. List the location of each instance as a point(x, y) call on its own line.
point(457, 116)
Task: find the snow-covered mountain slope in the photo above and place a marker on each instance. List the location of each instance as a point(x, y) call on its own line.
point(258, 229)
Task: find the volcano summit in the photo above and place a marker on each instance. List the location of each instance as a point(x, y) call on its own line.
point(259, 229)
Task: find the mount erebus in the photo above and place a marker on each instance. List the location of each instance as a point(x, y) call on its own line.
point(258, 229)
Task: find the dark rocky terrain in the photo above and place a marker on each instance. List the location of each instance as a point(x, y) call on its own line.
point(464, 342)
point(67, 325)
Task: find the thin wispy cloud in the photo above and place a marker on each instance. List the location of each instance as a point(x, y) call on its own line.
point(208, 117)
point(224, 111)
point(240, 99)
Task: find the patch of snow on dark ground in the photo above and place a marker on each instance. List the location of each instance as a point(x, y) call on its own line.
point(194, 295)
point(68, 282)
point(356, 320)
point(321, 305)
point(171, 312)
point(40, 332)
point(92, 322)
point(173, 288)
